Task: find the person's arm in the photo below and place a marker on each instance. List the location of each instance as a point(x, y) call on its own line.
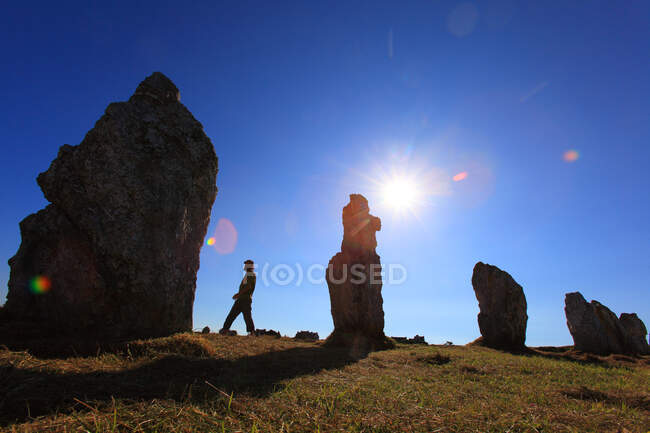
point(246, 287)
point(241, 288)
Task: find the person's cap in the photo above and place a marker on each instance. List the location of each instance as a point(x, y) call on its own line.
point(249, 262)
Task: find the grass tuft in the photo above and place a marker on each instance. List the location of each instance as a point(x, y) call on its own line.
point(191, 345)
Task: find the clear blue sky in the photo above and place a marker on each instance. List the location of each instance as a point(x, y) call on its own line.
point(307, 102)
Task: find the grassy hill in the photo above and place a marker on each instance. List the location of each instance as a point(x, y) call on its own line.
point(213, 383)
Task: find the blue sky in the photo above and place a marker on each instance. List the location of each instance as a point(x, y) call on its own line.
point(307, 102)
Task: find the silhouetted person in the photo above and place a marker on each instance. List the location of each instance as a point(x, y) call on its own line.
point(243, 300)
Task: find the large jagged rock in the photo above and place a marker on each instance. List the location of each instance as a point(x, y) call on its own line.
point(354, 281)
point(593, 326)
point(596, 329)
point(502, 318)
point(118, 247)
point(637, 340)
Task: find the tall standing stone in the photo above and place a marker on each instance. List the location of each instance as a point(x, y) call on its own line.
point(116, 252)
point(354, 281)
point(502, 318)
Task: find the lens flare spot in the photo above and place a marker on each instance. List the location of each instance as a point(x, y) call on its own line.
point(460, 176)
point(40, 284)
point(211, 241)
point(571, 155)
point(225, 237)
point(462, 20)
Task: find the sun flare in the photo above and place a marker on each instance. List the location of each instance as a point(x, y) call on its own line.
point(400, 193)
point(405, 190)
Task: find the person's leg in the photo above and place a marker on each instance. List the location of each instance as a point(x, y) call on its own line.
point(234, 312)
point(248, 318)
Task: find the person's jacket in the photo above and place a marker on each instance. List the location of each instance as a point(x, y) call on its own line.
point(247, 287)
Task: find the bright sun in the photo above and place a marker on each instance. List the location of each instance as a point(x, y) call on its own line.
point(400, 193)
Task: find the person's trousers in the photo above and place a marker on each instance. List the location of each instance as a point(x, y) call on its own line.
point(243, 307)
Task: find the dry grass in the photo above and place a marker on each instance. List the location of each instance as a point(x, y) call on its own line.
point(212, 383)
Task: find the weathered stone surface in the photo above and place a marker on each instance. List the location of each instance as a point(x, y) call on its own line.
point(502, 318)
point(596, 329)
point(120, 241)
point(354, 281)
point(637, 340)
point(307, 335)
point(593, 326)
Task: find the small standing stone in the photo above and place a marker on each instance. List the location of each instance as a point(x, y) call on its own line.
point(637, 340)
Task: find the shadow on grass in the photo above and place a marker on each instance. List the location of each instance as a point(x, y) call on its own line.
point(28, 393)
point(584, 358)
point(568, 353)
point(639, 401)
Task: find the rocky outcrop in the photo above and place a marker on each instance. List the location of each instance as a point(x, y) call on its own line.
point(228, 332)
point(270, 333)
point(354, 281)
point(596, 329)
point(116, 252)
point(593, 326)
point(306, 335)
point(418, 339)
point(637, 334)
point(502, 318)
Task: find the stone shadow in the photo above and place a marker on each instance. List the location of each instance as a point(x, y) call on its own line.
point(569, 354)
point(28, 392)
